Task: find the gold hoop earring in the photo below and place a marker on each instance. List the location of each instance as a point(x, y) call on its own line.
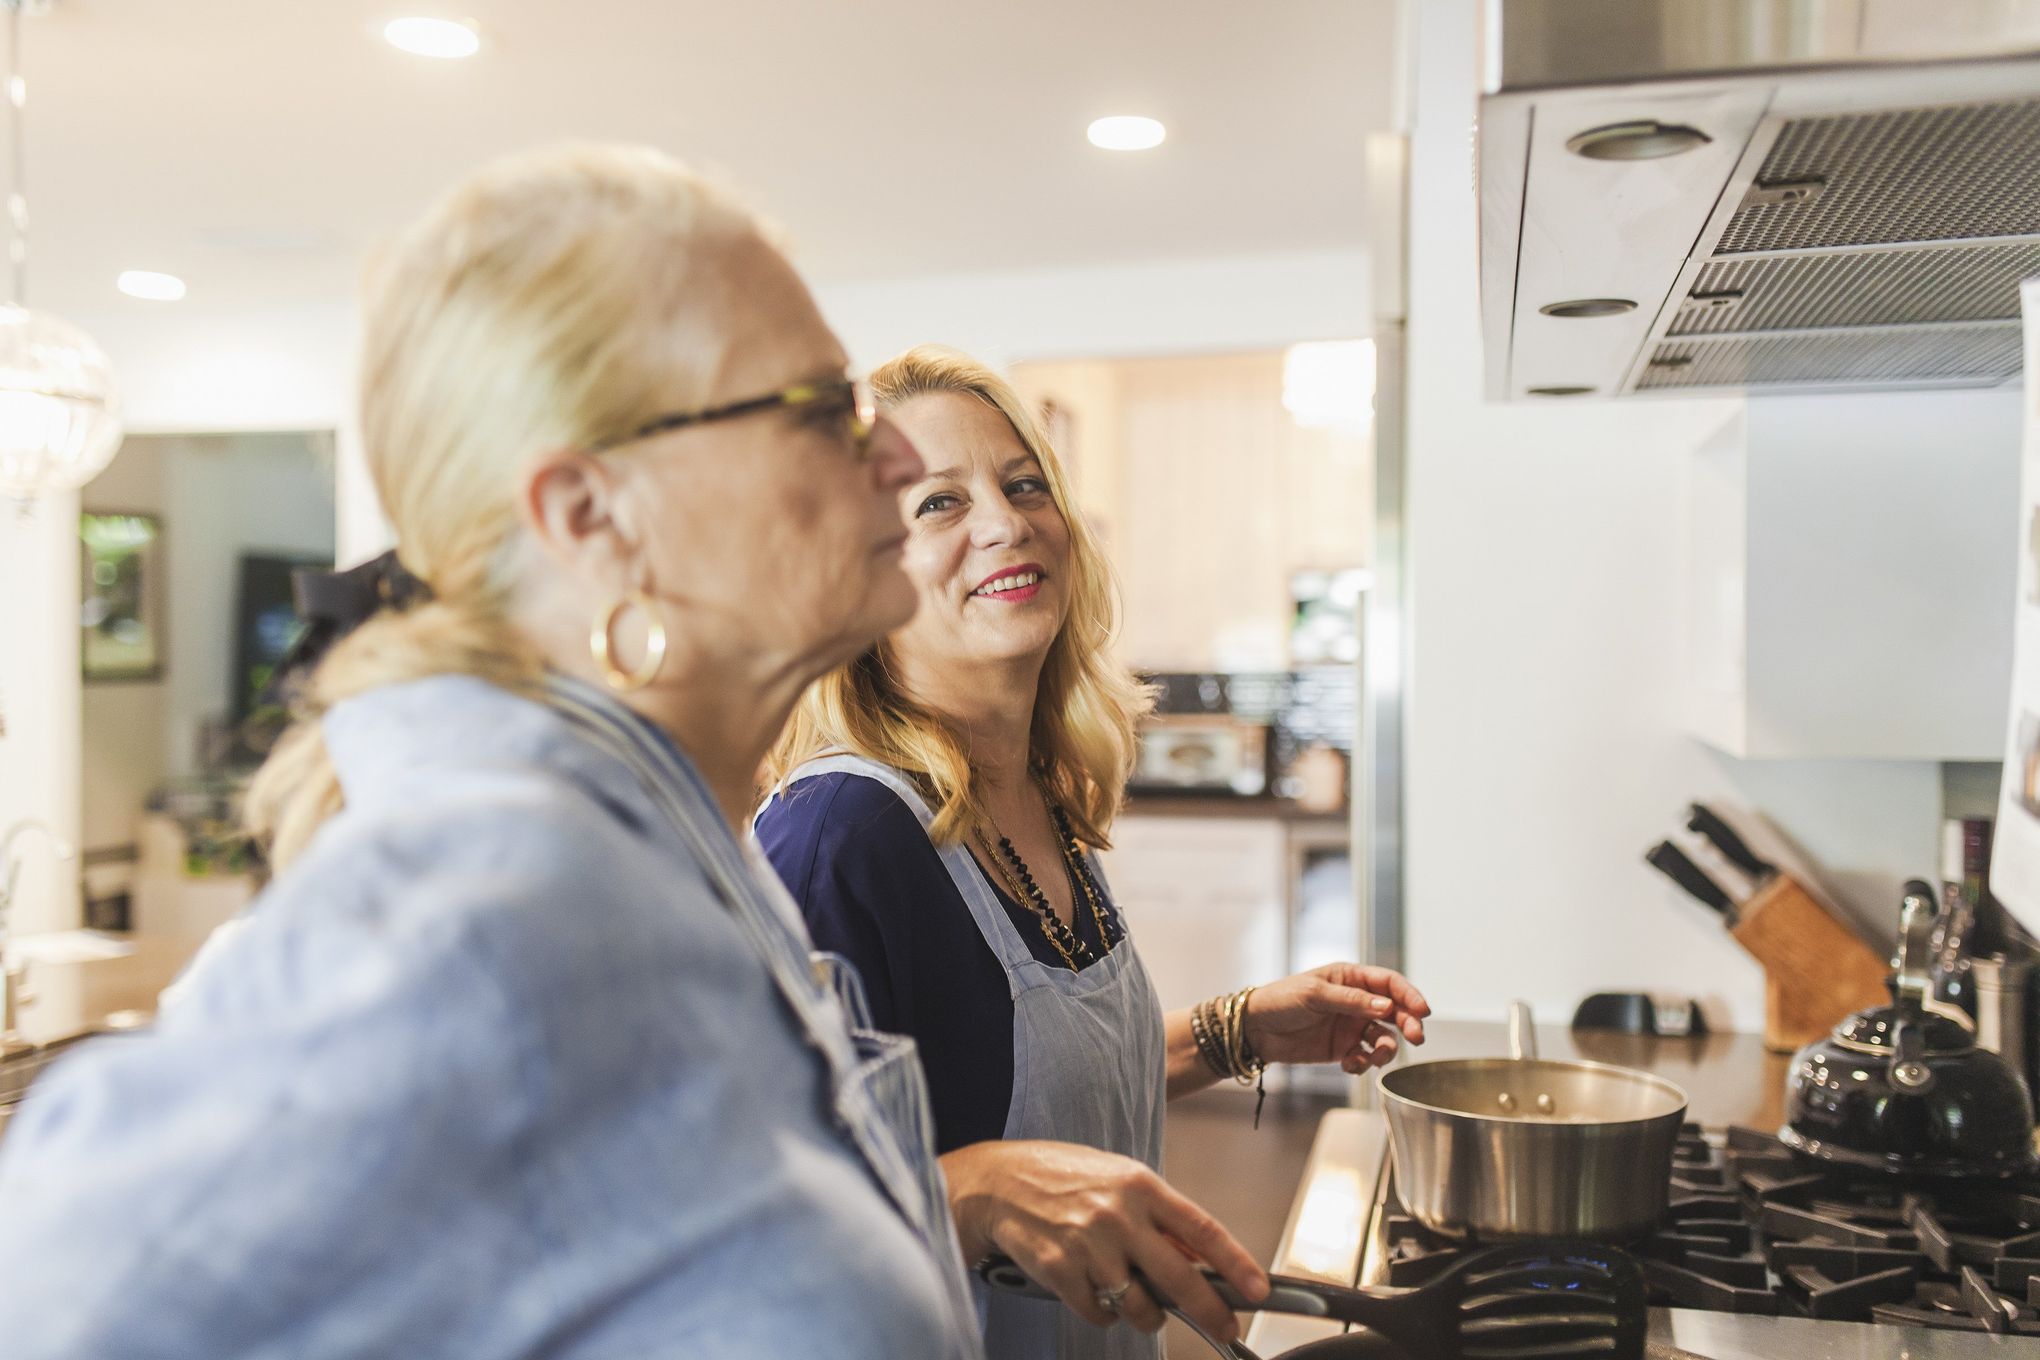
point(601, 644)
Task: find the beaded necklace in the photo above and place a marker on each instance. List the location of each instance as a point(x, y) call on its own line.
point(1019, 881)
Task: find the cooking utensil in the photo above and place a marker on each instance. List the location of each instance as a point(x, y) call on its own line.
point(1905, 1088)
point(1675, 864)
point(1509, 1148)
point(1523, 1300)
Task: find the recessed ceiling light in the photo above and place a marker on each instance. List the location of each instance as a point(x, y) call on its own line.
point(150, 286)
point(444, 38)
point(1126, 132)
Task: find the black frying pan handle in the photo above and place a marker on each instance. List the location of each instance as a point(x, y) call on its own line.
point(1286, 1294)
point(1004, 1273)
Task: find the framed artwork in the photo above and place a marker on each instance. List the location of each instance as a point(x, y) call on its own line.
point(122, 612)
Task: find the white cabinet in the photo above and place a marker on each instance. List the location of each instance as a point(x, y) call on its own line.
point(1850, 566)
point(1208, 495)
point(1205, 899)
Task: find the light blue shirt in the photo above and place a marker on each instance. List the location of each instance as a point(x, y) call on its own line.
point(495, 1070)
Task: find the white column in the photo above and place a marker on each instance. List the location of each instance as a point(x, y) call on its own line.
point(39, 701)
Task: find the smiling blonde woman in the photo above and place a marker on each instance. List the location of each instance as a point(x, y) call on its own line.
point(937, 803)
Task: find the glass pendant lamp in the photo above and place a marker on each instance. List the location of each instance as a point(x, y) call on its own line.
point(59, 416)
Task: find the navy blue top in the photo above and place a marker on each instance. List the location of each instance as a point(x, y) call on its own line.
point(874, 890)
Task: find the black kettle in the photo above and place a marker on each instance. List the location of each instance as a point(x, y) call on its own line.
point(1904, 1088)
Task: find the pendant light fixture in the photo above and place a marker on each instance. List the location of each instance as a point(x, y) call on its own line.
point(59, 417)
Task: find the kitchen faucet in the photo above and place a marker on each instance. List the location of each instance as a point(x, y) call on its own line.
point(11, 990)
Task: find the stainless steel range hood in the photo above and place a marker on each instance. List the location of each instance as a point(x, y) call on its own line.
point(1683, 196)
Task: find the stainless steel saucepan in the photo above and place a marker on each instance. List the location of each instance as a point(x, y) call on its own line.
point(1497, 1149)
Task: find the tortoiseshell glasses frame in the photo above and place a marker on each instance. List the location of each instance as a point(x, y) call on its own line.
point(860, 413)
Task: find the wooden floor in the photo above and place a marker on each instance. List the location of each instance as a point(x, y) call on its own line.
point(1245, 1177)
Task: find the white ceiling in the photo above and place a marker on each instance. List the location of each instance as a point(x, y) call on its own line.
point(255, 147)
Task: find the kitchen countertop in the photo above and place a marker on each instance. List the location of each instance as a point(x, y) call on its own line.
point(1229, 806)
point(1729, 1078)
point(75, 999)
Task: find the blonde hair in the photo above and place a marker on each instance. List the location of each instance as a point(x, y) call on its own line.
point(1088, 705)
point(557, 298)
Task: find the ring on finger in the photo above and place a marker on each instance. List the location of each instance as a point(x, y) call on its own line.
point(1111, 1299)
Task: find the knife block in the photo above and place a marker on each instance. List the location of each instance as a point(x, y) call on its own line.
point(1816, 970)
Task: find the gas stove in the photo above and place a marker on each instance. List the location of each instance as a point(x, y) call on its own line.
point(1763, 1255)
point(1755, 1230)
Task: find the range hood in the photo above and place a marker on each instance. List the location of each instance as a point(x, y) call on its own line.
point(1701, 196)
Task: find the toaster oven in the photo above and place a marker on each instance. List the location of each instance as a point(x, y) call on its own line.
point(1202, 753)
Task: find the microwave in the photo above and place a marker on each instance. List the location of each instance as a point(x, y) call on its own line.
point(1202, 753)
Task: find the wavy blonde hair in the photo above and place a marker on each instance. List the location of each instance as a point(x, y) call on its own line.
point(557, 298)
point(1087, 708)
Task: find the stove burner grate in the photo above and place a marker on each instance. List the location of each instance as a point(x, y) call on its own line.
point(1754, 1228)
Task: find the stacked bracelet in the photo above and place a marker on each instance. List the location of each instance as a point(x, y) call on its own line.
point(1220, 1028)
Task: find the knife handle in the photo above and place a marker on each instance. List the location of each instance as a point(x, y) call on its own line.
point(1703, 820)
point(1671, 861)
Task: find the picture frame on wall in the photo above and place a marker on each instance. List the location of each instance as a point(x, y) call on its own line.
point(121, 614)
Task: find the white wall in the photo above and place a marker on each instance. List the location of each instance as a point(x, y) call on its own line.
point(226, 496)
point(39, 559)
point(1156, 307)
point(183, 369)
point(1544, 747)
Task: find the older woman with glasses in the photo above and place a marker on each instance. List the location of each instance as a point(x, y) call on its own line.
point(522, 1054)
point(938, 799)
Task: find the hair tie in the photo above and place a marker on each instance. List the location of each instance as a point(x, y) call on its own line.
point(332, 605)
point(346, 599)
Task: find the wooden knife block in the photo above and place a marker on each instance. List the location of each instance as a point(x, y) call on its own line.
point(1816, 970)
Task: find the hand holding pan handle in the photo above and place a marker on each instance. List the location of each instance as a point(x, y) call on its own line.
point(1517, 1301)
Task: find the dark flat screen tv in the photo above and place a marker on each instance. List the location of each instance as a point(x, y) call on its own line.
point(266, 624)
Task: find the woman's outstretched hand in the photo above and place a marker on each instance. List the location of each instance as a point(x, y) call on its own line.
point(1079, 1220)
point(1345, 1013)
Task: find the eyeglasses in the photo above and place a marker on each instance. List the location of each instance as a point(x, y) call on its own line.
point(847, 399)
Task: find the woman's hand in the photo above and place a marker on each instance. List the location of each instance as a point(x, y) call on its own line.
point(1343, 1013)
point(1078, 1221)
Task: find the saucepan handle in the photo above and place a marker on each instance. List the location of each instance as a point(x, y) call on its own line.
point(1522, 1031)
